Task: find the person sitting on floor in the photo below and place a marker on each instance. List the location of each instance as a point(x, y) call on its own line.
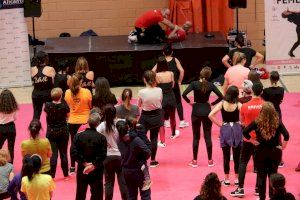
point(277, 182)
point(211, 188)
point(6, 173)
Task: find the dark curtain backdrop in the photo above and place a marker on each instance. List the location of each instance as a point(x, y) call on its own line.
point(206, 15)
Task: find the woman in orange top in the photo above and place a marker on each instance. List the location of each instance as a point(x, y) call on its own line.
point(80, 102)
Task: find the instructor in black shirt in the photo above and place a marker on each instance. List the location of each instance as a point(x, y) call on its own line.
point(249, 53)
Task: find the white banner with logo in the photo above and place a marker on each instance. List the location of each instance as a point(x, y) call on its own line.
point(282, 33)
point(14, 48)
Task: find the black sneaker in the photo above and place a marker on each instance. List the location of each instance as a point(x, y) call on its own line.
point(256, 192)
point(72, 170)
point(239, 192)
point(154, 164)
point(281, 164)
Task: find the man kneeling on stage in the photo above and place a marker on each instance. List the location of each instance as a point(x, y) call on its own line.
point(147, 28)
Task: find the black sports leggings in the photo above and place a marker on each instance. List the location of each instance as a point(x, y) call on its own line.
point(196, 125)
point(73, 128)
point(226, 158)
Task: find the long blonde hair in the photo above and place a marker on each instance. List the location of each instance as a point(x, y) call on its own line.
point(267, 121)
point(4, 157)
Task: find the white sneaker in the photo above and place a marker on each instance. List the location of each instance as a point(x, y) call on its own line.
point(161, 144)
point(183, 124)
point(132, 38)
point(177, 133)
point(167, 124)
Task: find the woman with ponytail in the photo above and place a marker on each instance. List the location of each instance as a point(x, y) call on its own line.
point(37, 145)
point(236, 74)
point(79, 101)
point(37, 186)
point(201, 108)
point(126, 109)
point(150, 100)
point(43, 78)
point(268, 129)
point(112, 163)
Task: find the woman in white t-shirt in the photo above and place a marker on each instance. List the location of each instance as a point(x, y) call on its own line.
point(150, 100)
point(112, 163)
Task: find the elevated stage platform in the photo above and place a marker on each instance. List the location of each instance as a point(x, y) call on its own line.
point(123, 64)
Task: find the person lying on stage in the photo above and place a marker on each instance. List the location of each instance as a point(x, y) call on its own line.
point(249, 53)
point(293, 17)
point(147, 28)
point(178, 34)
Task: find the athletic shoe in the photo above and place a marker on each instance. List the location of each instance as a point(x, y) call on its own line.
point(154, 164)
point(193, 163)
point(256, 193)
point(297, 168)
point(236, 182)
point(167, 124)
point(72, 170)
point(281, 164)
point(211, 163)
point(225, 182)
point(161, 144)
point(239, 192)
point(66, 178)
point(132, 38)
point(146, 185)
point(183, 124)
point(177, 133)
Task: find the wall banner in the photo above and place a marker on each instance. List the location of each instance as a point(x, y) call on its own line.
point(282, 23)
point(14, 48)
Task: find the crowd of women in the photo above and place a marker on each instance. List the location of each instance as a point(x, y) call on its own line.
point(110, 138)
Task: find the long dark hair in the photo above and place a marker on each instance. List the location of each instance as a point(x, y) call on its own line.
point(34, 128)
point(167, 50)
point(162, 64)
point(8, 103)
point(27, 166)
point(41, 59)
point(211, 187)
point(103, 95)
point(232, 94)
point(204, 76)
point(34, 166)
point(75, 83)
point(109, 115)
point(122, 128)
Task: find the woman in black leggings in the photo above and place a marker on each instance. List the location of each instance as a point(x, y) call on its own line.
point(150, 99)
point(201, 108)
point(268, 129)
point(231, 135)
